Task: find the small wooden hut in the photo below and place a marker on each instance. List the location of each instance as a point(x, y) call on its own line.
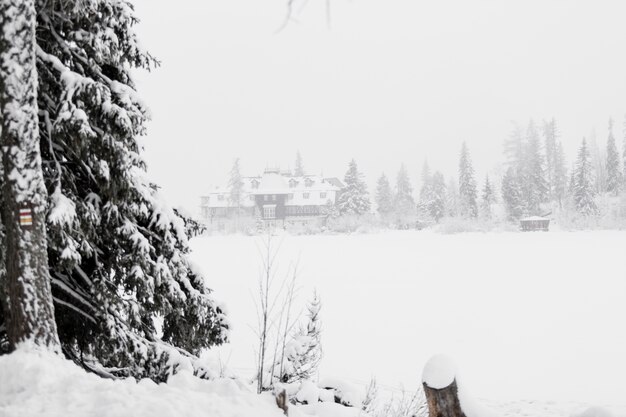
point(535, 223)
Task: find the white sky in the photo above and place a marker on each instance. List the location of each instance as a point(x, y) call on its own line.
point(391, 81)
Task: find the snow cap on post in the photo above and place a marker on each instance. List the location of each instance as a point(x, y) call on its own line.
point(439, 372)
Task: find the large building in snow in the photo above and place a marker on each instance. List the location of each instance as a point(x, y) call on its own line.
point(276, 197)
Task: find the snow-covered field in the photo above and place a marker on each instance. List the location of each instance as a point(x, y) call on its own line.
point(535, 322)
point(537, 318)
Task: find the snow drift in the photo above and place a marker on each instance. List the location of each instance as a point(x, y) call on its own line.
point(35, 383)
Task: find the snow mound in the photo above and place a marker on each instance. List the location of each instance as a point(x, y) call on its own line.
point(347, 393)
point(34, 383)
point(439, 372)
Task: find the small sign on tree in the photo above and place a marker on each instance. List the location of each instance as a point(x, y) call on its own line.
point(26, 216)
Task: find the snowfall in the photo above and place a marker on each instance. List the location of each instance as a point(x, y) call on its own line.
point(534, 322)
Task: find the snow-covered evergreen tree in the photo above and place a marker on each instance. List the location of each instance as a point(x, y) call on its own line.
point(598, 163)
point(488, 198)
point(550, 143)
point(583, 189)
point(437, 203)
point(299, 170)
point(235, 186)
point(304, 351)
point(613, 169)
point(534, 186)
point(560, 174)
point(452, 198)
point(403, 202)
point(384, 196)
point(425, 190)
point(467, 185)
point(353, 198)
point(514, 149)
point(117, 251)
point(512, 194)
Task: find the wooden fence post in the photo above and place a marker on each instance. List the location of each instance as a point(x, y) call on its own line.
point(440, 387)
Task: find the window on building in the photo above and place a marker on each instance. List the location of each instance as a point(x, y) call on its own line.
point(255, 184)
point(220, 197)
point(322, 195)
point(274, 197)
point(306, 196)
point(308, 182)
point(289, 196)
point(292, 183)
point(269, 212)
point(266, 197)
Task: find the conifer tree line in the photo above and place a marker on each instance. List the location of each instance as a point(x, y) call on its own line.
point(114, 272)
point(536, 180)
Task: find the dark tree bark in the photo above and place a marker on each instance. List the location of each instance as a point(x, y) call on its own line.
point(443, 402)
point(29, 312)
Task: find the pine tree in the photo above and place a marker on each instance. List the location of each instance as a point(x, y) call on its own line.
point(613, 170)
point(353, 198)
point(452, 198)
point(598, 164)
point(299, 171)
point(25, 292)
point(384, 196)
point(512, 195)
point(488, 198)
point(235, 186)
point(514, 149)
point(404, 202)
point(550, 136)
point(534, 186)
point(437, 203)
point(304, 351)
point(467, 185)
point(117, 252)
point(425, 191)
point(560, 174)
point(583, 189)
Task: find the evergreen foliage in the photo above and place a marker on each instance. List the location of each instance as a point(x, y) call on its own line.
point(550, 136)
point(304, 351)
point(452, 198)
point(467, 185)
point(128, 302)
point(583, 190)
point(512, 195)
point(384, 196)
point(437, 203)
point(403, 201)
point(353, 198)
point(534, 186)
point(613, 169)
point(425, 191)
point(560, 174)
point(488, 198)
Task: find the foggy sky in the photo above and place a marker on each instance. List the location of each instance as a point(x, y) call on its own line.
point(390, 81)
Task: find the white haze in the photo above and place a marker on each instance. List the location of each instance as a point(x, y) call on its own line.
point(389, 82)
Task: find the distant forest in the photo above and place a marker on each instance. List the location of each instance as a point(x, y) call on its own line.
point(537, 180)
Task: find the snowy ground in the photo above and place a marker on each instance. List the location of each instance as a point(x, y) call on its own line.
point(34, 384)
point(538, 318)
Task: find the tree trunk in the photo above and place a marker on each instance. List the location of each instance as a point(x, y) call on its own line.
point(29, 310)
point(443, 402)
